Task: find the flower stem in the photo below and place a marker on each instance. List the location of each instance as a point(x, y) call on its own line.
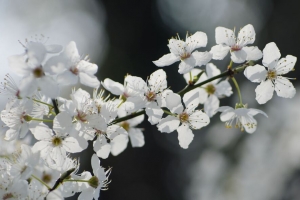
point(55, 106)
point(51, 106)
point(42, 182)
point(238, 89)
point(121, 119)
point(42, 120)
point(191, 77)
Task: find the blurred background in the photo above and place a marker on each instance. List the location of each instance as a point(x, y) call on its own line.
point(125, 37)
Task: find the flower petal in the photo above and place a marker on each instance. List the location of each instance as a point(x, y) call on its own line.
point(256, 73)
point(177, 47)
point(166, 60)
point(227, 113)
point(112, 86)
point(136, 137)
point(158, 81)
point(271, 53)
point(238, 56)
point(264, 91)
point(187, 65)
point(211, 105)
point(253, 53)
point(284, 88)
point(89, 80)
point(119, 144)
point(199, 39)
point(198, 119)
point(285, 65)
point(202, 58)
point(101, 147)
point(225, 36)
point(173, 103)
point(219, 51)
point(223, 89)
point(185, 136)
point(168, 124)
point(87, 67)
point(246, 35)
point(154, 113)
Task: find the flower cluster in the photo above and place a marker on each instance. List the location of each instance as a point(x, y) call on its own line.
point(62, 126)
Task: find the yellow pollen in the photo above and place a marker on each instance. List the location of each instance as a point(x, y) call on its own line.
point(210, 89)
point(150, 96)
point(56, 141)
point(185, 56)
point(125, 125)
point(38, 72)
point(271, 74)
point(184, 117)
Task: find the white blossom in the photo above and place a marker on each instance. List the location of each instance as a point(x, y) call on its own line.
point(184, 51)
point(270, 77)
point(227, 41)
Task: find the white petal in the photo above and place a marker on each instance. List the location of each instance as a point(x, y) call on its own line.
point(187, 65)
point(136, 120)
point(54, 48)
point(18, 65)
point(256, 73)
point(270, 53)
point(166, 60)
point(95, 162)
point(249, 123)
point(198, 119)
point(101, 147)
point(202, 58)
point(253, 112)
point(191, 100)
point(199, 39)
point(168, 124)
point(177, 47)
point(158, 81)
point(89, 80)
point(119, 144)
point(185, 136)
point(225, 36)
point(253, 53)
point(67, 78)
point(285, 65)
point(136, 83)
point(41, 146)
point(246, 35)
point(62, 122)
point(212, 70)
point(173, 103)
point(227, 113)
point(154, 113)
point(71, 52)
point(74, 144)
point(49, 86)
point(284, 88)
point(28, 85)
point(58, 154)
point(114, 131)
point(136, 137)
point(223, 89)
point(211, 105)
point(42, 132)
point(87, 67)
point(219, 51)
point(112, 86)
point(264, 91)
point(238, 56)
point(11, 134)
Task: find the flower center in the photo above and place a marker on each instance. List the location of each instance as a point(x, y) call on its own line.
point(235, 48)
point(56, 141)
point(93, 182)
point(125, 125)
point(184, 117)
point(74, 70)
point(271, 74)
point(150, 96)
point(46, 178)
point(210, 89)
point(38, 72)
point(185, 55)
point(81, 116)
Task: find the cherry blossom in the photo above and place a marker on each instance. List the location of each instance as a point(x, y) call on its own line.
point(270, 77)
point(183, 51)
point(227, 41)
